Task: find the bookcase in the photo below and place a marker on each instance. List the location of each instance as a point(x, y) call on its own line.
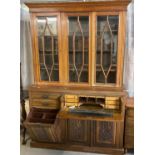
point(77, 101)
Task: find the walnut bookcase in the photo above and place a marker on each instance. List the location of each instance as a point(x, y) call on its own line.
point(78, 49)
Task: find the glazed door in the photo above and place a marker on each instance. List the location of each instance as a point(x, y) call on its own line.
point(77, 47)
point(106, 49)
point(47, 47)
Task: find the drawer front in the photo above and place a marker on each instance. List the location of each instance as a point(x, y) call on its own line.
point(44, 95)
point(129, 142)
point(53, 104)
point(129, 127)
point(44, 100)
point(129, 122)
point(52, 133)
point(129, 131)
point(130, 113)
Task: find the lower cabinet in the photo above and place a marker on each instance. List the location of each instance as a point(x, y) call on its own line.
point(95, 133)
point(46, 130)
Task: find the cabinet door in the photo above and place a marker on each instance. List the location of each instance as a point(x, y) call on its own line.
point(104, 133)
point(78, 132)
point(46, 52)
point(106, 49)
point(78, 47)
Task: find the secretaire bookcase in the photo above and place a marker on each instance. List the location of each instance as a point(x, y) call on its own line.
point(77, 101)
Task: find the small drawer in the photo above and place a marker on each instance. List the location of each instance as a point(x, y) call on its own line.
point(129, 113)
point(129, 120)
point(129, 131)
point(52, 104)
point(44, 95)
point(129, 126)
point(129, 141)
point(71, 98)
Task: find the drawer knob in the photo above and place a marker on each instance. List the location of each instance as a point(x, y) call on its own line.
point(45, 96)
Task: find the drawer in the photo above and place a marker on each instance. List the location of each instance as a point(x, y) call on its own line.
point(129, 121)
point(129, 113)
point(43, 126)
point(52, 104)
point(71, 98)
point(129, 126)
point(44, 95)
point(129, 142)
point(129, 131)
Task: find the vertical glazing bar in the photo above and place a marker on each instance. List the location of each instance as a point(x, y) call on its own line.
point(73, 48)
point(52, 48)
point(81, 69)
point(101, 58)
point(111, 41)
point(74, 55)
point(44, 57)
point(101, 52)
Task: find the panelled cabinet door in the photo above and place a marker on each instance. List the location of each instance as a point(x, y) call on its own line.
point(78, 132)
point(106, 49)
point(104, 133)
point(46, 55)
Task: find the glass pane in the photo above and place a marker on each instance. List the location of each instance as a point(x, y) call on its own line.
point(106, 49)
point(78, 39)
point(48, 48)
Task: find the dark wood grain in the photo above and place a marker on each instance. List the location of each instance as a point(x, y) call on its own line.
point(129, 124)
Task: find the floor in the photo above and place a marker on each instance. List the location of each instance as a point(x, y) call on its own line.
point(27, 150)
